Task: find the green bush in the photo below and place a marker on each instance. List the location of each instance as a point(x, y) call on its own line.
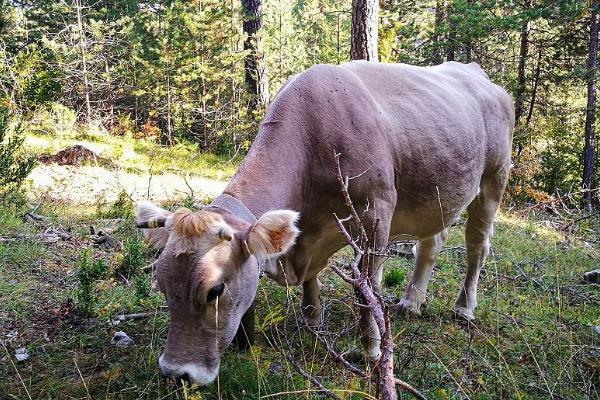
point(394, 277)
point(122, 207)
point(142, 286)
point(15, 164)
point(90, 272)
point(53, 120)
point(133, 259)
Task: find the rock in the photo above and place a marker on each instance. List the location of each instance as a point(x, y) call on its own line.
point(592, 276)
point(76, 155)
point(275, 368)
point(596, 329)
point(21, 354)
point(104, 241)
point(120, 339)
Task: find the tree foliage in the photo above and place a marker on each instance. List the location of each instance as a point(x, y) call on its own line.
point(15, 165)
point(175, 69)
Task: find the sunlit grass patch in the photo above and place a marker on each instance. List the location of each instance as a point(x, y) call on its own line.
point(143, 156)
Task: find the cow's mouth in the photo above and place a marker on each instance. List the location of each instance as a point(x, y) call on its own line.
point(189, 372)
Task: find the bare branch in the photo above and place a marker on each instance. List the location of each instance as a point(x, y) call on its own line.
point(359, 268)
point(322, 389)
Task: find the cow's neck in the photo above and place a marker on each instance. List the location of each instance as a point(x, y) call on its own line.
point(270, 177)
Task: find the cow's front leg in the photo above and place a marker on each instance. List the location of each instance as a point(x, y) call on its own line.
point(311, 302)
point(427, 251)
point(244, 338)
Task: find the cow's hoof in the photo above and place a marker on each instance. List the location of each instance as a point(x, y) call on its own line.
point(374, 355)
point(313, 316)
point(407, 306)
point(464, 314)
point(314, 321)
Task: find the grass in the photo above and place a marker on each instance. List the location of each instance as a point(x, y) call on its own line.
point(139, 156)
point(533, 338)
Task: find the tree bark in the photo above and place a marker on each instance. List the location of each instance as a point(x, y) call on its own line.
point(440, 17)
point(363, 37)
point(589, 150)
point(86, 85)
point(254, 64)
point(451, 45)
point(469, 41)
point(536, 80)
point(521, 76)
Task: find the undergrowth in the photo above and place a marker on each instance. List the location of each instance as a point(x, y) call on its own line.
point(533, 337)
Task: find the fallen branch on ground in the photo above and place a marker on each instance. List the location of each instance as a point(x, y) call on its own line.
point(125, 317)
point(315, 382)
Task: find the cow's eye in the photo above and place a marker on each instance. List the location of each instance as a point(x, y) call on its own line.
point(215, 292)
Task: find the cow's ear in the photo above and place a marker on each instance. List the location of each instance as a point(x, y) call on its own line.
point(273, 234)
point(155, 221)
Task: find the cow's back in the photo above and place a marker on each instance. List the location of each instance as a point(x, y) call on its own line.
point(421, 140)
point(428, 133)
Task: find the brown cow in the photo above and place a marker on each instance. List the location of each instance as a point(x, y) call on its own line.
point(423, 144)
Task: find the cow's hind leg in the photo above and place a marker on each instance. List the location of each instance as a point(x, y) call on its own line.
point(427, 251)
point(311, 303)
point(478, 232)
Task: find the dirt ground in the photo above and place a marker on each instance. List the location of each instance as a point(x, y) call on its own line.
point(90, 184)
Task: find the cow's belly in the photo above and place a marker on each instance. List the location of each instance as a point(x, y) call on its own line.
point(431, 216)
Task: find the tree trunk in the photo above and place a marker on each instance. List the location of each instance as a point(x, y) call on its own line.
point(589, 150)
point(523, 52)
point(363, 37)
point(86, 85)
point(451, 46)
point(169, 111)
point(536, 80)
point(469, 41)
point(440, 17)
point(254, 64)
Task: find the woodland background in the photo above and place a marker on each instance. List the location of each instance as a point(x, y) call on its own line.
point(175, 70)
point(106, 103)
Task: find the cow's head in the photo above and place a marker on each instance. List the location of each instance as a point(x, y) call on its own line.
point(208, 272)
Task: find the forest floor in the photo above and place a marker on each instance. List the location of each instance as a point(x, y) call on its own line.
point(536, 335)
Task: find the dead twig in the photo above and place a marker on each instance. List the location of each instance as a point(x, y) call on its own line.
point(358, 278)
point(320, 388)
point(127, 317)
point(150, 267)
point(576, 220)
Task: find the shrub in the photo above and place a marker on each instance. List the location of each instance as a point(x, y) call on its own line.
point(54, 120)
point(88, 275)
point(123, 126)
point(394, 277)
point(122, 207)
point(15, 164)
point(142, 286)
point(149, 131)
point(133, 259)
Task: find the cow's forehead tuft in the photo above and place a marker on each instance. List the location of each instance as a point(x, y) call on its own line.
point(187, 223)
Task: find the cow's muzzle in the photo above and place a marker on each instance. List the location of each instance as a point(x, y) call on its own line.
point(195, 373)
